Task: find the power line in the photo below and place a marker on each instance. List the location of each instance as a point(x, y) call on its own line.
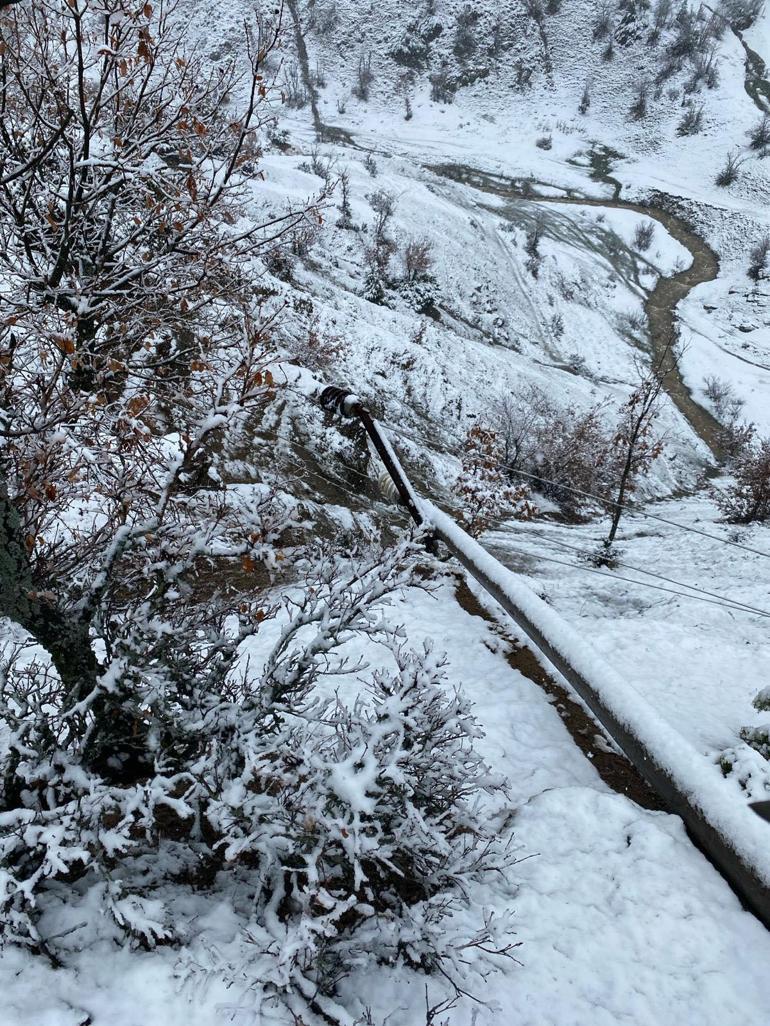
point(604, 500)
point(639, 584)
point(700, 594)
point(724, 599)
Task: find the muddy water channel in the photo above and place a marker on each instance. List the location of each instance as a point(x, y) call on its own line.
point(661, 303)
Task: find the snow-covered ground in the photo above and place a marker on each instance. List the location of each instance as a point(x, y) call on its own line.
point(620, 919)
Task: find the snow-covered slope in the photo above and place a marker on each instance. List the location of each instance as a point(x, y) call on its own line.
point(620, 919)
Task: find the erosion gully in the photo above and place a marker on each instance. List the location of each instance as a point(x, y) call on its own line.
point(662, 301)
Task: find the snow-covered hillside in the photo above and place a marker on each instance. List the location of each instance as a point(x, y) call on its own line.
point(519, 226)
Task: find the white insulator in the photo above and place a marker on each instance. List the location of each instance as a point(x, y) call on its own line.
point(377, 469)
point(387, 486)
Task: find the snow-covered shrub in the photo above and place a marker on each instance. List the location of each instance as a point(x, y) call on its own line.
point(638, 109)
point(661, 17)
point(759, 258)
point(364, 77)
point(418, 286)
point(643, 235)
point(691, 121)
point(760, 134)
point(747, 499)
point(603, 21)
point(420, 293)
point(375, 287)
point(741, 14)
point(442, 85)
point(383, 247)
point(562, 451)
point(414, 49)
point(555, 448)
point(363, 816)
point(751, 767)
point(532, 247)
point(324, 19)
point(585, 99)
point(721, 395)
point(759, 737)
point(371, 165)
point(294, 87)
point(705, 69)
point(355, 822)
point(465, 42)
point(730, 172)
point(346, 211)
point(483, 488)
point(418, 258)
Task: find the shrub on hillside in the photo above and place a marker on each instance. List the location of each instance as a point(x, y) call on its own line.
point(692, 120)
point(465, 41)
point(759, 258)
point(483, 487)
point(730, 172)
point(760, 134)
point(643, 235)
point(443, 85)
point(554, 448)
point(746, 499)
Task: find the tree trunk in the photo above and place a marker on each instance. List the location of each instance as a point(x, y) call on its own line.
point(65, 639)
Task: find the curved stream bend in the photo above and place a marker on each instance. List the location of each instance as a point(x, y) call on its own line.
point(660, 304)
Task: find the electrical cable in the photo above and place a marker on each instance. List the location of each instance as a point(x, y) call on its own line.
point(725, 599)
point(700, 594)
point(640, 584)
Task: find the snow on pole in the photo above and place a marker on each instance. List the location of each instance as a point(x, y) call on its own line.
point(732, 837)
point(735, 839)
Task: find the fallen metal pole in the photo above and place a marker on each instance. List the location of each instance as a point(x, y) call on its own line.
point(349, 405)
point(747, 882)
point(748, 873)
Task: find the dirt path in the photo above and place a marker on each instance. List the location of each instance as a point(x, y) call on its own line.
point(661, 303)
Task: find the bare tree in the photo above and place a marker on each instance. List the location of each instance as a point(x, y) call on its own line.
point(636, 443)
point(125, 317)
point(121, 181)
point(364, 77)
point(418, 258)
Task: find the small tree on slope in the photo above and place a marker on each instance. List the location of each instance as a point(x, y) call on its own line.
point(482, 487)
point(747, 499)
point(636, 444)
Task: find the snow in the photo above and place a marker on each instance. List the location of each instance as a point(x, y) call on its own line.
point(621, 920)
point(700, 783)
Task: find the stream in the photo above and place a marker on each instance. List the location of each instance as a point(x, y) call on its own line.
point(661, 303)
